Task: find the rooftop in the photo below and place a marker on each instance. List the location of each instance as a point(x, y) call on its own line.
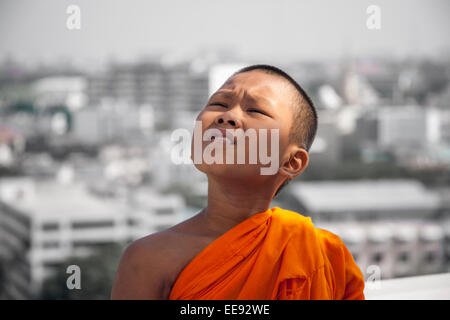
point(48, 199)
point(365, 195)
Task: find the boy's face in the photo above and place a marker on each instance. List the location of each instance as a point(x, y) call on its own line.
point(250, 100)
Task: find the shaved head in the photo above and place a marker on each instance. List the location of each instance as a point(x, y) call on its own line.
point(304, 124)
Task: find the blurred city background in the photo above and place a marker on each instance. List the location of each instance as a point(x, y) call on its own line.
point(86, 118)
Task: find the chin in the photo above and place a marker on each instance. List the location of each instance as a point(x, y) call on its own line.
point(234, 171)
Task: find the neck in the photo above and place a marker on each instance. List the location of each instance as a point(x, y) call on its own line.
point(229, 204)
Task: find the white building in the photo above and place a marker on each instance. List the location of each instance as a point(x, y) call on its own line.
point(398, 249)
point(366, 199)
point(408, 126)
point(327, 146)
point(70, 91)
point(386, 223)
point(42, 224)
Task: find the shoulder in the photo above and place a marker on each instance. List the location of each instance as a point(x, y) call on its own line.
point(322, 244)
point(348, 279)
point(292, 221)
point(329, 240)
point(333, 247)
point(299, 223)
point(152, 250)
point(151, 243)
point(326, 252)
point(144, 268)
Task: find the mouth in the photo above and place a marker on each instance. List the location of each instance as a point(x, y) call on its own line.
point(223, 139)
point(226, 136)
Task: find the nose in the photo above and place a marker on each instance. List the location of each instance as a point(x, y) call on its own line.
point(228, 118)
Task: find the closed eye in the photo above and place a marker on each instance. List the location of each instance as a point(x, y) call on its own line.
point(218, 104)
point(257, 111)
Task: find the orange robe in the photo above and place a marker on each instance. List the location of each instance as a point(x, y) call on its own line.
point(276, 254)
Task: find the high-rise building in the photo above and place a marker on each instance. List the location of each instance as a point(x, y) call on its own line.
point(42, 225)
point(168, 89)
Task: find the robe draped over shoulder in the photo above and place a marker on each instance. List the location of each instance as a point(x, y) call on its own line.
point(273, 255)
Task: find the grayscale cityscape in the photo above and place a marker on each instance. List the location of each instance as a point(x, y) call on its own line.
point(85, 133)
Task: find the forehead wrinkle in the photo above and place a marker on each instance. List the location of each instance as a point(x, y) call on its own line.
point(223, 92)
point(247, 93)
point(273, 92)
point(259, 98)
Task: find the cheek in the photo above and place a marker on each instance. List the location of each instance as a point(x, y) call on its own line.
point(274, 145)
point(206, 116)
point(277, 137)
point(283, 137)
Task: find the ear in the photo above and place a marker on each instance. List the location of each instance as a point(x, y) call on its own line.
point(297, 161)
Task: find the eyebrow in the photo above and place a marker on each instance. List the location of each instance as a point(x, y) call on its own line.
point(230, 94)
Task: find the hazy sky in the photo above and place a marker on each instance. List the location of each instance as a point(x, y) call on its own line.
point(275, 29)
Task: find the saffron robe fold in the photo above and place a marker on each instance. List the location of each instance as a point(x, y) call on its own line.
point(276, 254)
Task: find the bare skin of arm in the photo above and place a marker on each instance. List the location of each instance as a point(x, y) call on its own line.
point(150, 265)
point(143, 271)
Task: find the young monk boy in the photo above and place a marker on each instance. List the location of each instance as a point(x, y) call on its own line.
point(238, 247)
